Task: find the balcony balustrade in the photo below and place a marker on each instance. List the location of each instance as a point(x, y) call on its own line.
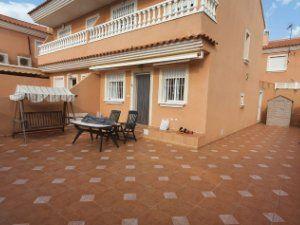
point(156, 14)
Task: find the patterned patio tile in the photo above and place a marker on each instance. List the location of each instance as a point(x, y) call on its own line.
point(273, 217)
point(180, 220)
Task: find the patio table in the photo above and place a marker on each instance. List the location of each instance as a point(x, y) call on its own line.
point(93, 128)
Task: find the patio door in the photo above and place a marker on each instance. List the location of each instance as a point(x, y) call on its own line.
point(142, 97)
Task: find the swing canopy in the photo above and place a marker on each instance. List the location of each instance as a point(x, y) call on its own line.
point(38, 94)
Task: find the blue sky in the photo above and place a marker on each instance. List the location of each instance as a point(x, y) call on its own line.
point(278, 14)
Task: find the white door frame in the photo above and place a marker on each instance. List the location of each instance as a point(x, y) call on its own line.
point(133, 99)
point(260, 100)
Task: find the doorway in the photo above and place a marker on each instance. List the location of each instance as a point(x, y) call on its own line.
point(143, 97)
point(260, 100)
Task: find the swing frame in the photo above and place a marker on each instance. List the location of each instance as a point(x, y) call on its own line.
point(32, 122)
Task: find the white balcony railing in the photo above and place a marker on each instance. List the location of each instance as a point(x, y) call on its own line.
point(292, 85)
point(159, 13)
point(69, 41)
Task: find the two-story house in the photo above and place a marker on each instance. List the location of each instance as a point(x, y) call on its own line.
point(281, 73)
point(19, 42)
point(195, 63)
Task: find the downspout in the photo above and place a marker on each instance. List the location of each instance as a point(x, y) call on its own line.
point(29, 48)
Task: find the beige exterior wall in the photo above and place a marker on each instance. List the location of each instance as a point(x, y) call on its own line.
point(88, 95)
point(229, 75)
point(16, 44)
point(7, 87)
point(215, 83)
point(178, 116)
point(292, 74)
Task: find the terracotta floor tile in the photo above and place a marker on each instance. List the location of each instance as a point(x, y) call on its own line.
point(169, 181)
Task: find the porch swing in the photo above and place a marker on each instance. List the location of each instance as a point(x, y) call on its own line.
point(29, 122)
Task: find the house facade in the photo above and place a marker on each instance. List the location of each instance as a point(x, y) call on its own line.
point(195, 63)
point(281, 76)
point(19, 42)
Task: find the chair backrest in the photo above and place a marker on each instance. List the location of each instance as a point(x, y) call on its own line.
point(131, 119)
point(115, 115)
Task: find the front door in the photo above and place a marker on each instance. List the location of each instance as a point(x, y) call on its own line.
point(142, 93)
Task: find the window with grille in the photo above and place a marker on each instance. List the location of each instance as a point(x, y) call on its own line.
point(174, 85)
point(24, 61)
point(90, 22)
point(123, 9)
point(3, 58)
point(115, 87)
point(277, 63)
point(64, 31)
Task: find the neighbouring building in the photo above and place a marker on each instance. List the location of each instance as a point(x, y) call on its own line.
point(19, 42)
point(281, 76)
point(196, 63)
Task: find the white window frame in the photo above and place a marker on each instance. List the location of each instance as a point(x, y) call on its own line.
point(72, 76)
point(6, 60)
point(23, 57)
point(120, 5)
point(118, 77)
point(64, 28)
point(36, 47)
point(91, 17)
point(161, 90)
point(247, 43)
point(274, 56)
point(58, 77)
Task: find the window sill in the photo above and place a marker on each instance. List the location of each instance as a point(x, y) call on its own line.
point(114, 102)
point(276, 71)
point(173, 105)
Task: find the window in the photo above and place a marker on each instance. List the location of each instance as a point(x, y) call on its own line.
point(64, 31)
point(59, 81)
point(3, 58)
point(90, 22)
point(72, 81)
point(277, 63)
point(38, 43)
point(24, 61)
point(246, 47)
point(115, 90)
point(123, 9)
point(173, 88)
point(83, 76)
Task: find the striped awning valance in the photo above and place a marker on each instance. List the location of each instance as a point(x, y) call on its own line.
point(39, 94)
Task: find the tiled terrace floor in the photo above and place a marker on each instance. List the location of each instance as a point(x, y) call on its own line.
point(251, 177)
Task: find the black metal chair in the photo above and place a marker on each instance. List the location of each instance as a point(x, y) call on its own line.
point(129, 127)
point(115, 115)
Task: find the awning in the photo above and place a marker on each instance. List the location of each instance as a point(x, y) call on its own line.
point(164, 59)
point(39, 93)
point(21, 71)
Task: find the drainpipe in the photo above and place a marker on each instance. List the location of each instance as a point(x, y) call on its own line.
point(30, 52)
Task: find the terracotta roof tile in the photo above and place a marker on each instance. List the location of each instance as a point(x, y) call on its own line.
point(25, 24)
point(283, 43)
point(191, 37)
